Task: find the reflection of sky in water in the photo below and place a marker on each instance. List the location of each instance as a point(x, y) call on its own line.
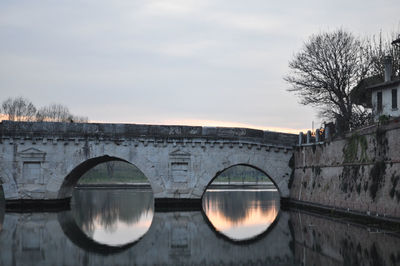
point(122, 232)
point(113, 217)
point(241, 214)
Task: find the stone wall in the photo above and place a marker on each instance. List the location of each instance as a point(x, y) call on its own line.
point(360, 172)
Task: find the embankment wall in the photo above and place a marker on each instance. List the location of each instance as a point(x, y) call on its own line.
point(360, 172)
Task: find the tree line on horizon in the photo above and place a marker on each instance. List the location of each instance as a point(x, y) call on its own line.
point(333, 70)
point(22, 109)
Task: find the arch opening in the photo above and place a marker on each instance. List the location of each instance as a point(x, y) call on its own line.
point(246, 174)
point(241, 203)
point(112, 202)
point(85, 168)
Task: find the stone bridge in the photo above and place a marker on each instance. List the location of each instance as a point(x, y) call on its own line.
point(44, 161)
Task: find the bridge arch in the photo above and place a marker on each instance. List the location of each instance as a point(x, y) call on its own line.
point(78, 171)
point(218, 173)
point(276, 170)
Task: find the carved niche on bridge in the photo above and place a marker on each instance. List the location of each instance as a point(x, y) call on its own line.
point(31, 163)
point(179, 166)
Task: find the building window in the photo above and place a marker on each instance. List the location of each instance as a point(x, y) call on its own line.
point(379, 97)
point(394, 99)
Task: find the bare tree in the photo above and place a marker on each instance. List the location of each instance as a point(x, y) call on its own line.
point(58, 113)
point(21, 109)
point(79, 119)
point(378, 47)
point(53, 113)
point(18, 109)
point(324, 72)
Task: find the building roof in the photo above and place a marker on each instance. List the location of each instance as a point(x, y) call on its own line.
point(361, 95)
point(382, 85)
point(397, 41)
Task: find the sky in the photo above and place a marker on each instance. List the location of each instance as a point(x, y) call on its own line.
point(191, 62)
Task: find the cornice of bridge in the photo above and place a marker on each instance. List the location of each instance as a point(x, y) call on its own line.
point(136, 134)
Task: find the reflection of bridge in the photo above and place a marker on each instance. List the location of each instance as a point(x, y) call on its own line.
point(176, 238)
point(185, 238)
point(45, 160)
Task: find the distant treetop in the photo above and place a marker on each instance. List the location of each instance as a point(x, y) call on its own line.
point(22, 109)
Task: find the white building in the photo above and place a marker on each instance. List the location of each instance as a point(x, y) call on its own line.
point(386, 95)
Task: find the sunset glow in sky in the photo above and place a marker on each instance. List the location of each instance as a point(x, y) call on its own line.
point(255, 222)
point(216, 63)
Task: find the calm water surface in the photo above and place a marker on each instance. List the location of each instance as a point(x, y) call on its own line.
point(245, 227)
point(241, 214)
point(113, 217)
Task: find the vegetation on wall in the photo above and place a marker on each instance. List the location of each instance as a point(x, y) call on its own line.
point(292, 166)
point(350, 178)
point(377, 178)
point(351, 150)
point(393, 191)
point(382, 143)
point(316, 170)
point(354, 151)
point(383, 119)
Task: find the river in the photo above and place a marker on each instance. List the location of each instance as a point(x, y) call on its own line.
point(234, 227)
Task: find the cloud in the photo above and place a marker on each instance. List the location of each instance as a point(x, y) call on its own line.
point(171, 7)
point(151, 61)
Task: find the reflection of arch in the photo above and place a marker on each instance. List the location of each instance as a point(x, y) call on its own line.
point(252, 239)
point(80, 239)
point(2, 198)
point(2, 207)
point(245, 241)
point(72, 178)
point(241, 164)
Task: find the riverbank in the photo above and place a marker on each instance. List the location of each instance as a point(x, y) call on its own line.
point(114, 185)
point(214, 185)
point(371, 219)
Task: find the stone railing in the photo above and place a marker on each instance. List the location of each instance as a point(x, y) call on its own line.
point(319, 136)
point(122, 132)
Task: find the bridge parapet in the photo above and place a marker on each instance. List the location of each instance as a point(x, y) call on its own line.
point(116, 132)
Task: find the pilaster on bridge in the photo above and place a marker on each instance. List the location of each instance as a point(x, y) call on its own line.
point(44, 160)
